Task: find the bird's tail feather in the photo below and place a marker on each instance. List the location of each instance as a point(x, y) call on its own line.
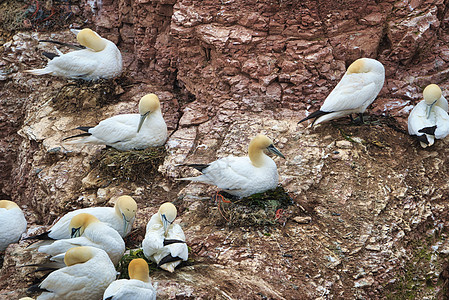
point(315, 115)
point(77, 135)
point(38, 71)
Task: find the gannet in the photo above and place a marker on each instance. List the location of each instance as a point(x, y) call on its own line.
point(164, 242)
point(87, 274)
point(100, 59)
point(12, 223)
point(138, 287)
point(129, 131)
point(87, 230)
point(354, 93)
point(243, 176)
point(429, 119)
point(120, 217)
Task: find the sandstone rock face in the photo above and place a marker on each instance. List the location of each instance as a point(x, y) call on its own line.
point(370, 214)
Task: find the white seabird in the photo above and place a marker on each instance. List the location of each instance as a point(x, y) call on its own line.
point(87, 230)
point(87, 274)
point(100, 59)
point(120, 217)
point(138, 287)
point(429, 119)
point(164, 242)
point(243, 176)
point(12, 223)
point(129, 131)
point(357, 89)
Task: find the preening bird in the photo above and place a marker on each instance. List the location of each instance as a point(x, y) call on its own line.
point(12, 223)
point(129, 131)
point(87, 274)
point(242, 176)
point(138, 287)
point(357, 89)
point(429, 119)
point(100, 59)
point(164, 242)
point(87, 230)
point(120, 217)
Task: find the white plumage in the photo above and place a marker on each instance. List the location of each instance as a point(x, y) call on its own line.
point(243, 176)
point(88, 273)
point(138, 287)
point(12, 223)
point(129, 131)
point(89, 231)
point(120, 217)
point(357, 89)
point(101, 59)
point(429, 119)
point(164, 242)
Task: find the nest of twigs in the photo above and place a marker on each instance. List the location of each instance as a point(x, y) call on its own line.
point(132, 165)
point(256, 210)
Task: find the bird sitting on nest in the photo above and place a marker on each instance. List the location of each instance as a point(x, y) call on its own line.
point(429, 119)
point(96, 58)
point(87, 274)
point(86, 230)
point(242, 176)
point(138, 287)
point(12, 223)
point(120, 217)
point(164, 242)
point(129, 131)
point(357, 89)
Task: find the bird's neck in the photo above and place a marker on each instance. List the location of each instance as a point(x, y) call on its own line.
point(257, 156)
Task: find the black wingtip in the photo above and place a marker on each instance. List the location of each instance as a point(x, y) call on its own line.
point(84, 128)
point(43, 236)
point(77, 135)
point(315, 115)
point(50, 55)
point(423, 139)
point(168, 259)
point(199, 167)
point(172, 241)
point(428, 130)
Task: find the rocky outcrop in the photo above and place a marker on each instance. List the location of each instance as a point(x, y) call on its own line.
point(369, 219)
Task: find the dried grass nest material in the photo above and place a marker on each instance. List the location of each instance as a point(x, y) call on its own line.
point(122, 266)
point(73, 97)
point(132, 165)
point(256, 210)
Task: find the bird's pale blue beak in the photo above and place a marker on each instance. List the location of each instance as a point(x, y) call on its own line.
point(274, 150)
point(429, 109)
point(125, 224)
point(142, 118)
point(166, 223)
point(75, 232)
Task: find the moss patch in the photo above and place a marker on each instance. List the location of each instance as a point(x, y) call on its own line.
point(133, 165)
point(122, 266)
point(256, 210)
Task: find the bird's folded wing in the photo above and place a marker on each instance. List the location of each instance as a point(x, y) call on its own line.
point(115, 129)
point(63, 281)
point(74, 65)
point(229, 173)
point(350, 93)
point(442, 123)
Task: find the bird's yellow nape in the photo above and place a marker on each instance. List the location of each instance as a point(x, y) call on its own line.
point(90, 39)
point(169, 211)
point(138, 269)
point(8, 204)
point(126, 206)
point(432, 93)
point(149, 103)
point(256, 147)
point(78, 255)
point(357, 66)
point(81, 221)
